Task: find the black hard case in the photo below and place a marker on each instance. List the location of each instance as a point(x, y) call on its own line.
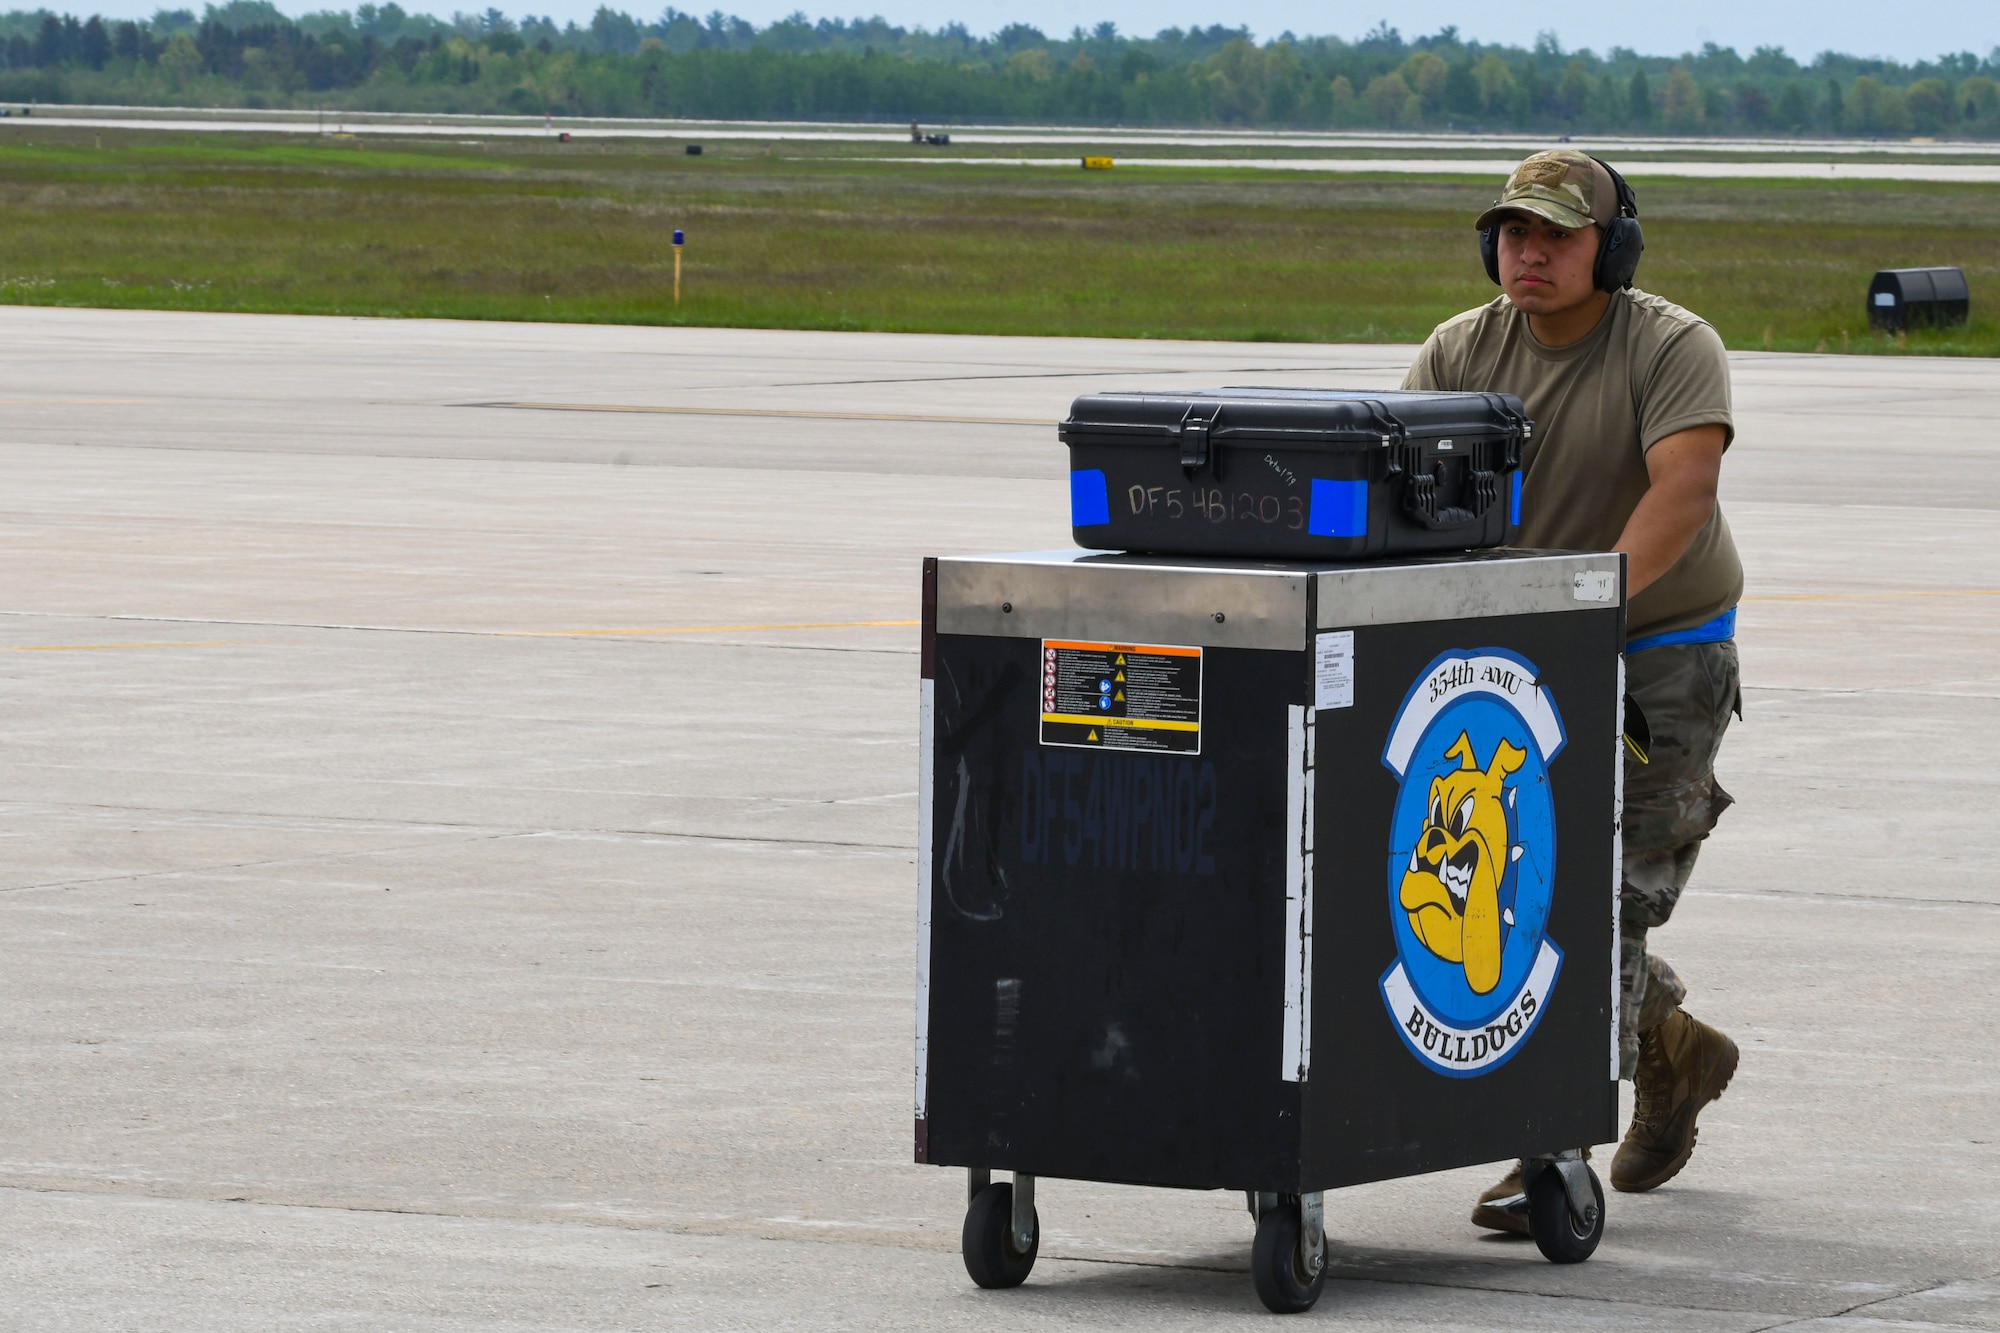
point(1326, 474)
point(1127, 1024)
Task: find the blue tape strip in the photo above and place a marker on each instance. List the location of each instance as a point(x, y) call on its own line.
point(1339, 509)
point(1514, 503)
point(1719, 630)
point(1089, 499)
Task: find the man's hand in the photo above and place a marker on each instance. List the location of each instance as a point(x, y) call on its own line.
point(1683, 469)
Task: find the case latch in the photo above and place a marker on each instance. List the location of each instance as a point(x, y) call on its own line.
point(1194, 441)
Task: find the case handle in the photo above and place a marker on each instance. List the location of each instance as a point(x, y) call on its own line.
point(1481, 489)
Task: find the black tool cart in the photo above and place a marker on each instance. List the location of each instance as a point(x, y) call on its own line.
point(1268, 876)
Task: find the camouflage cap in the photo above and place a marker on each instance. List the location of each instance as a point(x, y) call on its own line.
point(1561, 186)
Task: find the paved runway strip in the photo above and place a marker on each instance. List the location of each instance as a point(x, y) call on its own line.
point(483, 897)
point(1498, 168)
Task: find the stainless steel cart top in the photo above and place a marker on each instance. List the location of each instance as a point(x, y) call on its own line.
point(1230, 603)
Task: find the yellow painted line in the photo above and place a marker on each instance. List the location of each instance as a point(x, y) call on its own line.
point(763, 412)
point(706, 629)
point(1138, 723)
point(115, 647)
point(1867, 596)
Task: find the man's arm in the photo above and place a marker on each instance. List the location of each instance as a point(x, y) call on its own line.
point(1682, 469)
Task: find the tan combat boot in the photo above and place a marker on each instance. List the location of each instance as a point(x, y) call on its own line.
point(1684, 1064)
point(1504, 1207)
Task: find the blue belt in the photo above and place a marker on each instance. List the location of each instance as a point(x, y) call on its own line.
point(1719, 630)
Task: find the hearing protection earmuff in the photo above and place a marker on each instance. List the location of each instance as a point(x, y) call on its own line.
point(1620, 242)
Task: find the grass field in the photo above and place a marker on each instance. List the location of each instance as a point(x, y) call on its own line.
point(820, 238)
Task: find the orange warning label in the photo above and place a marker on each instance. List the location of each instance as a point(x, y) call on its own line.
point(1121, 696)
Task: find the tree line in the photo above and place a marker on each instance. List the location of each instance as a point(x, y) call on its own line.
point(249, 54)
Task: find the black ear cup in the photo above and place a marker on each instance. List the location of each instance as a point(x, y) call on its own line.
point(1619, 244)
point(1489, 252)
point(1618, 254)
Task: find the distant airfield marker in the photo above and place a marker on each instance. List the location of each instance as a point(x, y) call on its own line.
point(680, 239)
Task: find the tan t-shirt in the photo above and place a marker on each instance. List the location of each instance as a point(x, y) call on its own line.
point(1649, 369)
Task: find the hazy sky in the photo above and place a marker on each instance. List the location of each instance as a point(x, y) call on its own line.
point(1912, 29)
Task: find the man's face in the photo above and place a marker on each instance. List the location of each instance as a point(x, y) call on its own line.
point(1546, 269)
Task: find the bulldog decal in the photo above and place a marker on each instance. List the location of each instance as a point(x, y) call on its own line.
point(1452, 887)
point(1471, 862)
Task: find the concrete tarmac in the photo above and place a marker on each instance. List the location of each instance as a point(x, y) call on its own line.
point(457, 838)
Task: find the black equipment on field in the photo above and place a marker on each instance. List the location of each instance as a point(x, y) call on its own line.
point(1620, 241)
point(1918, 298)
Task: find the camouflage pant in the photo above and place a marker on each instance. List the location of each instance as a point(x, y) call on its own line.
point(1685, 694)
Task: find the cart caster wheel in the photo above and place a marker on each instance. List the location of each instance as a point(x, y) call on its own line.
point(1558, 1235)
point(991, 1257)
point(1274, 1263)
